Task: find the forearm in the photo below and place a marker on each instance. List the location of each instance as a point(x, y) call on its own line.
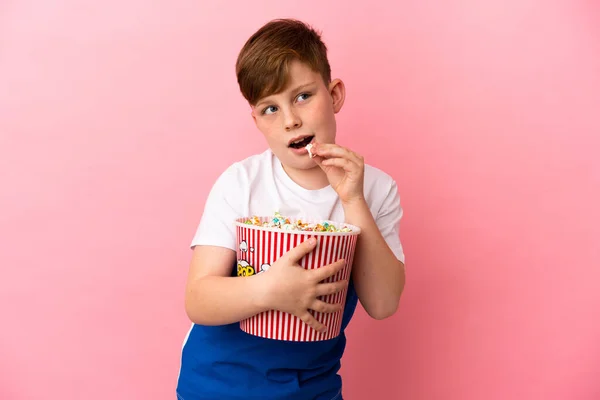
point(377, 274)
point(220, 300)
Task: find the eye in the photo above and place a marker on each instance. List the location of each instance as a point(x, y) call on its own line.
point(269, 110)
point(303, 97)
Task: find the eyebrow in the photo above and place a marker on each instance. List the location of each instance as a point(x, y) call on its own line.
point(296, 89)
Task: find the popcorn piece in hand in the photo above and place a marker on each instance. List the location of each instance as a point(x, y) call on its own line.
point(309, 147)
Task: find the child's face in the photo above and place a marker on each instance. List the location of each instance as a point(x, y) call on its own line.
point(305, 109)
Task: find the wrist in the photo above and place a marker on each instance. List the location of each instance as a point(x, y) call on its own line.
point(355, 208)
point(357, 213)
point(261, 291)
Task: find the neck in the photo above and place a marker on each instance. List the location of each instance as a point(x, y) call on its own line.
point(309, 179)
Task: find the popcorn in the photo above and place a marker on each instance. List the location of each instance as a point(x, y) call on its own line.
point(285, 224)
point(309, 148)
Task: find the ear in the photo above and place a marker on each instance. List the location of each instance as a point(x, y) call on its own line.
point(337, 90)
point(253, 113)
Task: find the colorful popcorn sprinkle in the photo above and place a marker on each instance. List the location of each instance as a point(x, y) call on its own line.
point(284, 223)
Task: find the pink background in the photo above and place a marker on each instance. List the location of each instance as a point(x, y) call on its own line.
point(116, 117)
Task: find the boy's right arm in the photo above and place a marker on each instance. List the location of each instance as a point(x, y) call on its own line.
point(213, 297)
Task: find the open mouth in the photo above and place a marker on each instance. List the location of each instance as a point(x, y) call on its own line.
point(300, 143)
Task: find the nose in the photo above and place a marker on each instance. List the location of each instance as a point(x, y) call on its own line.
point(292, 121)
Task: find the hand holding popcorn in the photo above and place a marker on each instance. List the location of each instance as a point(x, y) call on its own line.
point(344, 169)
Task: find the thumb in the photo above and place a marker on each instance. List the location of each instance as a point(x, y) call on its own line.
point(317, 158)
point(295, 254)
point(319, 161)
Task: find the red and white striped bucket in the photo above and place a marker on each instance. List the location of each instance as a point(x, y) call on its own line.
point(259, 247)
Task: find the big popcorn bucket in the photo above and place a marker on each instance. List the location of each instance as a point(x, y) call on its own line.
point(260, 246)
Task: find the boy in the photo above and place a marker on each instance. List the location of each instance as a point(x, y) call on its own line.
point(284, 75)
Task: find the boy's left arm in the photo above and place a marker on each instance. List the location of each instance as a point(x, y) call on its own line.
point(377, 274)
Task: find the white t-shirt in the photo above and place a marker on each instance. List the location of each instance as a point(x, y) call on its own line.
point(260, 186)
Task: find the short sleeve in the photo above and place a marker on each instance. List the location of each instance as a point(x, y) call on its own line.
point(222, 208)
point(388, 220)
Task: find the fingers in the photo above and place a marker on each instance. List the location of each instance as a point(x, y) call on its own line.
point(323, 307)
point(332, 155)
point(311, 321)
point(295, 254)
point(329, 270)
point(325, 289)
point(327, 150)
point(342, 163)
